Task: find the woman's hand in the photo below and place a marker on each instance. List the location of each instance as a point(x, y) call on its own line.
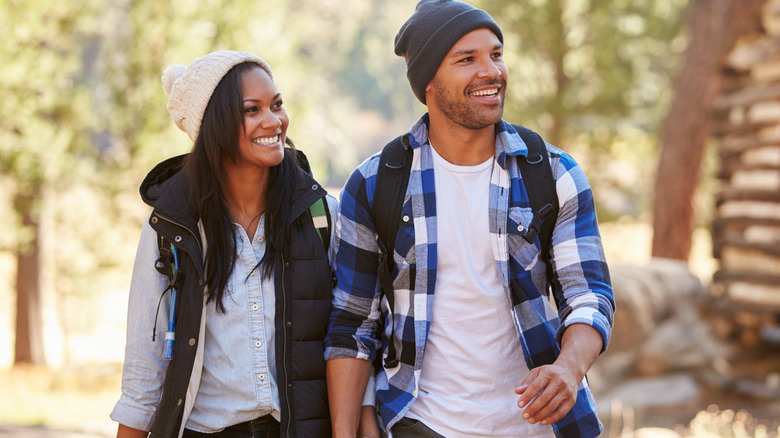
point(368, 428)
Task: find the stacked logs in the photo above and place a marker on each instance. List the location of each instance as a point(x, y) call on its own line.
point(746, 226)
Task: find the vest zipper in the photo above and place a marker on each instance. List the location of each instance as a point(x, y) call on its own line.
point(284, 350)
point(200, 248)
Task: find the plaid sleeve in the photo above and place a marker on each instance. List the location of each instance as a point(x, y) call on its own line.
point(581, 277)
point(353, 318)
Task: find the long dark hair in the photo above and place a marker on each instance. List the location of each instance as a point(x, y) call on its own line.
point(218, 138)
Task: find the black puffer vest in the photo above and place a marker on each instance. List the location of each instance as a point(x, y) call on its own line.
point(303, 296)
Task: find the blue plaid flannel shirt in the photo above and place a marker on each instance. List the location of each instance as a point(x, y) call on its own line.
point(580, 281)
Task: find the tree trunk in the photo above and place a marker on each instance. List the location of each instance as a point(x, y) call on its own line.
point(714, 26)
point(29, 322)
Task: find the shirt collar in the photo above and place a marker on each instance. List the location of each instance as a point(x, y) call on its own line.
point(508, 141)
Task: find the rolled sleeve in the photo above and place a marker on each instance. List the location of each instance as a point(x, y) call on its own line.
point(581, 276)
point(355, 311)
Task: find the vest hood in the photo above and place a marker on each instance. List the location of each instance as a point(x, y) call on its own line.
point(166, 186)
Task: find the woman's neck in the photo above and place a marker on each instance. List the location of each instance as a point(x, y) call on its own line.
point(245, 191)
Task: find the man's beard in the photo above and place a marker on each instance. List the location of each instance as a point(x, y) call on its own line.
point(464, 114)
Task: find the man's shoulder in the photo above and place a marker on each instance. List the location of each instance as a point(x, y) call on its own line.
point(370, 166)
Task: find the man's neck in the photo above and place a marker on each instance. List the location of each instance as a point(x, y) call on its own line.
point(461, 146)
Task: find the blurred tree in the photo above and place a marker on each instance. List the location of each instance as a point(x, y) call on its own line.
point(714, 26)
point(592, 77)
point(43, 134)
point(580, 65)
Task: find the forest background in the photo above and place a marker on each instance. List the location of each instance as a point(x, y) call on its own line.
point(83, 118)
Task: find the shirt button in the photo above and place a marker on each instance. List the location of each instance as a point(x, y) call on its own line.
point(258, 343)
point(255, 307)
point(406, 218)
point(192, 342)
point(520, 227)
point(260, 239)
point(261, 377)
point(253, 272)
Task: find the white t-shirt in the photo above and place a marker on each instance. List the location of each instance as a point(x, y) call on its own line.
point(473, 358)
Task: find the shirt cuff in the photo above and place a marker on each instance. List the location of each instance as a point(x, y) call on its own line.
point(369, 398)
point(132, 415)
point(591, 317)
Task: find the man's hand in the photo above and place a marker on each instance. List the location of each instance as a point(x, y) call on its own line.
point(550, 391)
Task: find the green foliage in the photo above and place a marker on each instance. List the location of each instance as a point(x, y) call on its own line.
point(83, 114)
point(593, 76)
point(44, 121)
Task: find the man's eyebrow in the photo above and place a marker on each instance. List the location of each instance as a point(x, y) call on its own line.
point(464, 52)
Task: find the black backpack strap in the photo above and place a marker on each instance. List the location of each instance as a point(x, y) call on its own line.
point(392, 178)
point(539, 181)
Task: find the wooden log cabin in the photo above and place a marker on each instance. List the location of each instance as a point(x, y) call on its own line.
point(746, 131)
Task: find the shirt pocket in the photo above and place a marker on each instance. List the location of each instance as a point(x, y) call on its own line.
point(521, 251)
point(404, 238)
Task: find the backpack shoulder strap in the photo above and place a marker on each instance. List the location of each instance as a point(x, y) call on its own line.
point(538, 179)
point(320, 215)
point(392, 178)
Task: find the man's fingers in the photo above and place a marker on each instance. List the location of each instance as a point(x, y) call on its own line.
point(558, 413)
point(539, 404)
point(530, 389)
point(546, 413)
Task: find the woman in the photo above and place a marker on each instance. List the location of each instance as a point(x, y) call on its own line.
point(233, 227)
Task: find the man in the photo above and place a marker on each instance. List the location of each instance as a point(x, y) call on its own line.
point(480, 349)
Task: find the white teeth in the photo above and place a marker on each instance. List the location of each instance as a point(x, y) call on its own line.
point(265, 141)
point(489, 92)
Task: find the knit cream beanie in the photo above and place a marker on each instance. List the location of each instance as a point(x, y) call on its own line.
point(189, 89)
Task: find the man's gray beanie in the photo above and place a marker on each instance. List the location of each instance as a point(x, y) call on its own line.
point(430, 33)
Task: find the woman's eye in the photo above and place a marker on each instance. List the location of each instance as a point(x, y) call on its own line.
point(250, 109)
point(278, 104)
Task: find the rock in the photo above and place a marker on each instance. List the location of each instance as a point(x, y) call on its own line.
point(684, 342)
point(645, 295)
point(670, 390)
point(609, 369)
point(677, 280)
point(636, 307)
